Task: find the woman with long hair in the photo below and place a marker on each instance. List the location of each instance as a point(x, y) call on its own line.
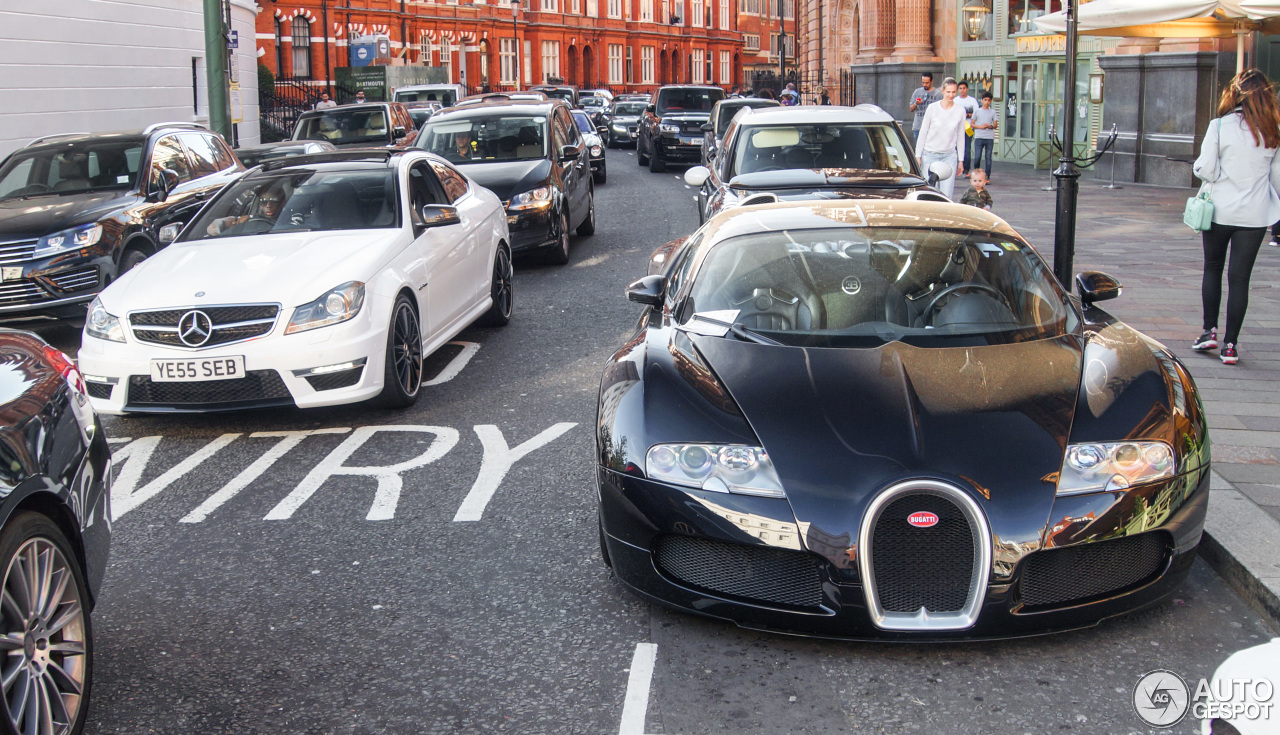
point(1241, 171)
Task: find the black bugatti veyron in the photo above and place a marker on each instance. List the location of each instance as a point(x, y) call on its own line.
point(887, 419)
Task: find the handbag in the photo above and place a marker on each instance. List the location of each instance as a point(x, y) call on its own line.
point(1198, 213)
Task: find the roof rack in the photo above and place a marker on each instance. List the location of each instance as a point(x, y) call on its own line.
point(156, 126)
point(46, 138)
point(329, 157)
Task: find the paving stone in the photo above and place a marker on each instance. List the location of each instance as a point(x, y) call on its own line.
point(1264, 495)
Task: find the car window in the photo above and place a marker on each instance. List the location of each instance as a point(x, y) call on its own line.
point(676, 99)
point(584, 122)
point(203, 159)
point(454, 183)
point(424, 189)
point(221, 153)
point(629, 109)
point(168, 154)
point(345, 126)
point(843, 146)
point(88, 165)
point(568, 131)
point(486, 139)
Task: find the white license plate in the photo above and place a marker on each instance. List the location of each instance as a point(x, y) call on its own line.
point(10, 274)
point(202, 368)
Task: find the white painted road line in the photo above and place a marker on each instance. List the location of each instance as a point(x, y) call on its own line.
point(636, 704)
point(497, 461)
point(288, 440)
point(469, 350)
point(123, 496)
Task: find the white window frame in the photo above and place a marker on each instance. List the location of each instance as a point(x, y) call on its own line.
point(695, 13)
point(526, 68)
point(646, 64)
point(550, 6)
point(615, 63)
point(507, 61)
point(726, 68)
point(724, 15)
point(698, 66)
point(751, 42)
point(550, 60)
point(593, 8)
point(615, 9)
point(446, 59)
point(646, 11)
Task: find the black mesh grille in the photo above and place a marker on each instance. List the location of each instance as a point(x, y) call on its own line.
point(329, 381)
point(99, 390)
point(257, 387)
point(922, 567)
point(218, 314)
point(752, 572)
point(1078, 573)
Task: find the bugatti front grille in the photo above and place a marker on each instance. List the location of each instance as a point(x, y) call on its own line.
point(929, 567)
point(1088, 571)
point(17, 252)
point(228, 324)
point(256, 388)
point(758, 573)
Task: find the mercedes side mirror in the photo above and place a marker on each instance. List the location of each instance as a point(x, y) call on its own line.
point(1095, 286)
point(439, 215)
point(696, 176)
point(648, 290)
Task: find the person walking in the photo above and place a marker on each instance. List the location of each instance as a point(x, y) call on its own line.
point(924, 96)
point(1239, 166)
point(970, 106)
point(984, 135)
point(941, 136)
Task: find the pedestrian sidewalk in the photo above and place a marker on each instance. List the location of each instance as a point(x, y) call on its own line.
point(1136, 234)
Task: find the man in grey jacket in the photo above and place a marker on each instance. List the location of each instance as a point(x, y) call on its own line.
point(924, 96)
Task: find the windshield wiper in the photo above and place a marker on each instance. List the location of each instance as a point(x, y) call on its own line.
point(739, 331)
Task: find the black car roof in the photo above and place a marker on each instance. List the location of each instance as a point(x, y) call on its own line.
point(114, 135)
point(497, 108)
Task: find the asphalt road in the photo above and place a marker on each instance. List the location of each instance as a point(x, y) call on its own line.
point(436, 570)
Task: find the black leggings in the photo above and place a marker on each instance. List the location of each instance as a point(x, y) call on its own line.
point(1244, 243)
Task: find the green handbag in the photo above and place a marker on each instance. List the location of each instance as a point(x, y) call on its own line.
point(1198, 214)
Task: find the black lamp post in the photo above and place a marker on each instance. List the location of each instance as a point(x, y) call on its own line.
point(515, 39)
point(1068, 176)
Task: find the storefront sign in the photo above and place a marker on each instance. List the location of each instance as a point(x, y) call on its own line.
point(1041, 44)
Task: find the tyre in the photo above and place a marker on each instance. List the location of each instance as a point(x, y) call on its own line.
point(609, 142)
point(588, 224)
point(559, 254)
point(500, 291)
point(656, 164)
point(402, 373)
point(641, 158)
point(49, 668)
point(600, 176)
point(130, 260)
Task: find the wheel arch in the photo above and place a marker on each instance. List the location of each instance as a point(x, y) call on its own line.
point(49, 505)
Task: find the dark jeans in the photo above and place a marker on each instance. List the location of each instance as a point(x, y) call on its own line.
point(968, 146)
point(983, 146)
point(1243, 243)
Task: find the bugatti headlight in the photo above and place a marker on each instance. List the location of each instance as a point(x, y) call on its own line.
point(334, 307)
point(539, 198)
point(73, 239)
point(724, 468)
point(1110, 466)
point(101, 324)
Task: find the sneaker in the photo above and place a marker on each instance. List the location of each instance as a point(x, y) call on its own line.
point(1206, 341)
point(1275, 243)
point(1228, 354)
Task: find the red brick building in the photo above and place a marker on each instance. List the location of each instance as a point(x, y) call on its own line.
point(623, 45)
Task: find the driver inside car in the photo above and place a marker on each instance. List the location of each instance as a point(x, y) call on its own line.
point(266, 209)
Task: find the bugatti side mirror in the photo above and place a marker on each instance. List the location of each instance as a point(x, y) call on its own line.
point(1095, 286)
point(648, 290)
point(706, 127)
point(940, 171)
point(696, 176)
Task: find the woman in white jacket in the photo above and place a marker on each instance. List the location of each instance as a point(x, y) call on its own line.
point(1239, 166)
point(942, 136)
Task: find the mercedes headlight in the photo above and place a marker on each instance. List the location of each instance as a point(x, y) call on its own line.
point(335, 307)
point(101, 324)
point(669, 128)
point(73, 239)
point(722, 468)
point(539, 198)
point(1104, 466)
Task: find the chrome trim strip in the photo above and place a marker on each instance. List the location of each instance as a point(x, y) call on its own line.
point(39, 305)
point(922, 619)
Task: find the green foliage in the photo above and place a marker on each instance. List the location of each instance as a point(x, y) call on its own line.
point(266, 80)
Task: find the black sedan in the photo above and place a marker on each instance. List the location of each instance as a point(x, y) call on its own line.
point(55, 530)
point(886, 419)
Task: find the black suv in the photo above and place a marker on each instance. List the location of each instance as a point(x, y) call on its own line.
point(532, 156)
point(671, 127)
point(78, 210)
point(366, 125)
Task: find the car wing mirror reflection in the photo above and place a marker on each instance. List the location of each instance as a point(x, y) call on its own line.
point(648, 290)
point(438, 215)
point(1095, 286)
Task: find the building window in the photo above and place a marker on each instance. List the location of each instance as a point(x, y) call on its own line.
point(677, 12)
point(696, 66)
point(788, 8)
point(301, 48)
point(751, 42)
point(646, 65)
point(631, 70)
point(646, 11)
point(615, 8)
point(593, 8)
point(577, 7)
point(507, 60)
point(279, 47)
point(1022, 13)
point(527, 67)
point(550, 60)
point(726, 70)
point(696, 14)
point(724, 15)
point(549, 6)
point(615, 63)
point(446, 60)
point(424, 50)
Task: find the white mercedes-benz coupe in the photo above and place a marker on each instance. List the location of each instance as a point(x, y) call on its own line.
point(311, 281)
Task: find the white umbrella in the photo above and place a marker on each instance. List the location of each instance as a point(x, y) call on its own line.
point(1170, 19)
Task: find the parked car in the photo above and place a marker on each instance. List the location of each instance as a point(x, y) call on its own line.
point(565, 92)
point(604, 94)
point(623, 121)
point(531, 155)
point(597, 108)
point(259, 154)
point(670, 130)
point(55, 534)
point(446, 94)
point(794, 153)
point(825, 424)
point(721, 115)
point(420, 112)
point(594, 145)
point(365, 125)
point(78, 211)
point(312, 281)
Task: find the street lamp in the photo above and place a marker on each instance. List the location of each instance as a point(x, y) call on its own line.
point(976, 13)
point(515, 38)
